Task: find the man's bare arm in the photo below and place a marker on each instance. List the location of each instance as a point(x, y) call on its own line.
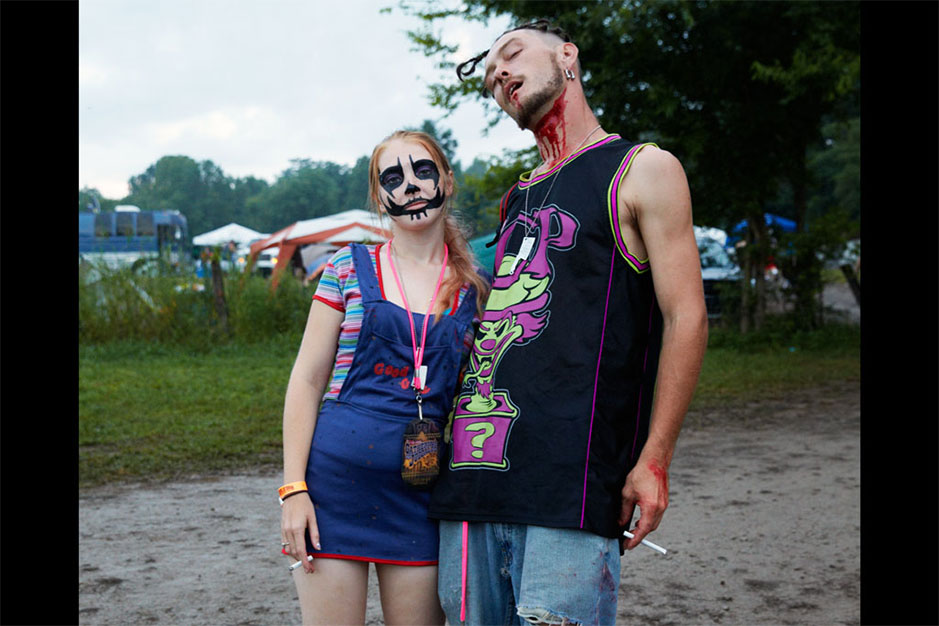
point(655, 203)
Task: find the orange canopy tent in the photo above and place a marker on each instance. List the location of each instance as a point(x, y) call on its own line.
point(338, 229)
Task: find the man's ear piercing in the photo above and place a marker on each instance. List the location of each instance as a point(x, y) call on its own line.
point(569, 74)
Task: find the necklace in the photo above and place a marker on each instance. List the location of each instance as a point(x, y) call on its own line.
point(528, 241)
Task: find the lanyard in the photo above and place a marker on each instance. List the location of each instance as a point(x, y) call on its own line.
point(418, 350)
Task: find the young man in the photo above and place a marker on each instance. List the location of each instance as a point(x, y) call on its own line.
point(596, 307)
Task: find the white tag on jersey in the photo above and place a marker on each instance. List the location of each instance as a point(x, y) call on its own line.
point(523, 251)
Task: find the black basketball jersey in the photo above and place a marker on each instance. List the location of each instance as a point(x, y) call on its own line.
point(555, 403)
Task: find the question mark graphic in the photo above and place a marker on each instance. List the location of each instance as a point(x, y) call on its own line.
point(478, 440)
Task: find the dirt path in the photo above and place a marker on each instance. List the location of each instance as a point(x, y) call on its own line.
point(763, 528)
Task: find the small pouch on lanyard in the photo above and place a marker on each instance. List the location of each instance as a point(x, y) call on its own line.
point(420, 463)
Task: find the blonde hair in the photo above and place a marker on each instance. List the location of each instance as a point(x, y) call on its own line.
point(461, 259)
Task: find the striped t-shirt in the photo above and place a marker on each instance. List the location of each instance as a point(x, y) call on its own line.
point(339, 288)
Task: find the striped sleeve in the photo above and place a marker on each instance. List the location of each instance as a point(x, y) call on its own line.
point(330, 289)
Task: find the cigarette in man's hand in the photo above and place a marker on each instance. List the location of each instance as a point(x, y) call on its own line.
point(299, 563)
point(648, 544)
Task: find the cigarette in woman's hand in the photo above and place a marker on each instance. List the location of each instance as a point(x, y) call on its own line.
point(299, 563)
point(648, 544)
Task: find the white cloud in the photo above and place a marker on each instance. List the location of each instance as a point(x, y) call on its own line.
point(90, 74)
point(220, 125)
point(252, 84)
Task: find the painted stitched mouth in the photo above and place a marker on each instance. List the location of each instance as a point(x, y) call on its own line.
point(402, 209)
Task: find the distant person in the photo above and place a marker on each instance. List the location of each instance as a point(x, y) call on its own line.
point(597, 309)
point(388, 333)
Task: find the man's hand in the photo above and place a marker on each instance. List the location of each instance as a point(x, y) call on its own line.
point(646, 487)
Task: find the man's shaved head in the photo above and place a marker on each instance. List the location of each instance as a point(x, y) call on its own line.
point(550, 32)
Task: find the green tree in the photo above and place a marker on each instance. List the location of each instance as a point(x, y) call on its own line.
point(245, 189)
point(355, 187)
point(201, 191)
point(836, 170)
point(485, 182)
point(444, 137)
point(173, 182)
point(305, 190)
point(739, 91)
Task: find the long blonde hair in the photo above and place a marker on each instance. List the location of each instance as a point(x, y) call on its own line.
point(461, 259)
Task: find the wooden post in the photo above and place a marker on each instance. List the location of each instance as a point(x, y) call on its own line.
point(851, 277)
point(218, 287)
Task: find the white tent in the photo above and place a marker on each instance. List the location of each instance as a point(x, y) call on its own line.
point(241, 235)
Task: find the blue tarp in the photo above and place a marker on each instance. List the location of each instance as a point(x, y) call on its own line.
point(776, 221)
point(782, 223)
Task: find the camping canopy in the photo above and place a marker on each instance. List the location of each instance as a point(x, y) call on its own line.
point(338, 229)
point(786, 225)
point(241, 235)
point(773, 221)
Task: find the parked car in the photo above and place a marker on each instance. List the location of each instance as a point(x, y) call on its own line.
point(267, 260)
point(718, 271)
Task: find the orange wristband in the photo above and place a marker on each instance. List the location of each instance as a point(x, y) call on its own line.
point(291, 488)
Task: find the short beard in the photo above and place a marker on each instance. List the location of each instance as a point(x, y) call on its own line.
point(539, 99)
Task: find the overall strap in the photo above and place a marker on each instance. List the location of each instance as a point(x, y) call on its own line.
point(365, 271)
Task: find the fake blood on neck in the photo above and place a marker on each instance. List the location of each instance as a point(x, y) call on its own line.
point(551, 132)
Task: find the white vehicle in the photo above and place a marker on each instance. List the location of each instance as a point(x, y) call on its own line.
point(717, 269)
point(267, 261)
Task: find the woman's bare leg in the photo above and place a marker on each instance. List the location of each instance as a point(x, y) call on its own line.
point(335, 593)
point(409, 595)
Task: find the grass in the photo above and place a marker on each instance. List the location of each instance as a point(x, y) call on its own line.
point(769, 363)
point(151, 412)
point(730, 375)
point(155, 413)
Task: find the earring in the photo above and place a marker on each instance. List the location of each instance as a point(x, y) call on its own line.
point(569, 74)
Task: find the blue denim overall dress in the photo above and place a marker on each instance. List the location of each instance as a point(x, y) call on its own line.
point(364, 510)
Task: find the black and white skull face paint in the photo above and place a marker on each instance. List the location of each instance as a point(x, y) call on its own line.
point(411, 182)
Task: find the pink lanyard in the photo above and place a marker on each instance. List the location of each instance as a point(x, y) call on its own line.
point(418, 350)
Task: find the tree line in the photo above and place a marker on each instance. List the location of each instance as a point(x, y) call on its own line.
point(210, 198)
point(759, 100)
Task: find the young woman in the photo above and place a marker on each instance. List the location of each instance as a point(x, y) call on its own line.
point(393, 324)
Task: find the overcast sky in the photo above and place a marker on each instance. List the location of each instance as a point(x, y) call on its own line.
point(251, 84)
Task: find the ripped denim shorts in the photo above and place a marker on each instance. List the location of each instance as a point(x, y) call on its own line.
point(520, 574)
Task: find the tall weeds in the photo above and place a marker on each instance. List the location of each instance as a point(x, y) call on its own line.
point(160, 306)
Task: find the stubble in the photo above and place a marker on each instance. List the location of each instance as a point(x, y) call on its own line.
point(537, 101)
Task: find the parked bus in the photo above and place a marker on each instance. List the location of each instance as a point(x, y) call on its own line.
point(127, 234)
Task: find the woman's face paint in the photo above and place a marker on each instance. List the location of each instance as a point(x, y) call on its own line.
point(411, 181)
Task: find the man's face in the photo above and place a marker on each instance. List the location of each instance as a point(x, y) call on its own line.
point(523, 75)
point(410, 181)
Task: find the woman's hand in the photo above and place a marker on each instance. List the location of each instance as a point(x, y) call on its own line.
point(297, 516)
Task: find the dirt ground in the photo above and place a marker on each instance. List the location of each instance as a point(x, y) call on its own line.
point(763, 528)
